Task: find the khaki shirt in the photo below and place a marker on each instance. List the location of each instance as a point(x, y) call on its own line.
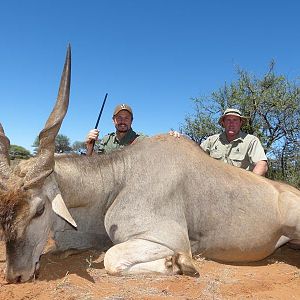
point(110, 141)
point(243, 152)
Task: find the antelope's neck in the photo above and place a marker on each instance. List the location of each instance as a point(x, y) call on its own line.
point(84, 181)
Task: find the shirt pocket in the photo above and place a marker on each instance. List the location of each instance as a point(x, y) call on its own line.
point(216, 154)
point(238, 159)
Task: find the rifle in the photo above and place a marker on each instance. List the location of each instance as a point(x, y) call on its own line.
point(90, 150)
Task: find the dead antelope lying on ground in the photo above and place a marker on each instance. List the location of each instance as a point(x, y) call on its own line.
point(158, 201)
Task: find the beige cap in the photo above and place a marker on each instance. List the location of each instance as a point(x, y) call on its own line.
point(122, 107)
point(232, 112)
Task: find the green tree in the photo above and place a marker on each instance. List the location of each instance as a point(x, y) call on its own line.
point(272, 103)
point(18, 152)
point(62, 144)
point(79, 147)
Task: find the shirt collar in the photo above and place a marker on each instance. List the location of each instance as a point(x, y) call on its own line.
point(240, 137)
point(126, 138)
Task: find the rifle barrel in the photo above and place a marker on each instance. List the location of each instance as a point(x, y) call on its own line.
point(90, 150)
point(101, 110)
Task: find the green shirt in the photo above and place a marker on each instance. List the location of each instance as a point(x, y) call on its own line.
point(243, 152)
point(110, 142)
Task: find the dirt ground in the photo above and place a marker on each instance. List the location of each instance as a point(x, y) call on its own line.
point(82, 277)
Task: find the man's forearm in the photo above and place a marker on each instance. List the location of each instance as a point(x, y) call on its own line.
point(89, 148)
point(261, 168)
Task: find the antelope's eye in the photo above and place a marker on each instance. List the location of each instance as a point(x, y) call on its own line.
point(39, 211)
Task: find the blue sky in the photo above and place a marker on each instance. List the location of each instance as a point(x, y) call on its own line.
point(152, 54)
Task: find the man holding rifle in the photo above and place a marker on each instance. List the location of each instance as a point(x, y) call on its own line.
point(123, 136)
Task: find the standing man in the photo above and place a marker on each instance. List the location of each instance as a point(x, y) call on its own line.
point(123, 136)
point(236, 147)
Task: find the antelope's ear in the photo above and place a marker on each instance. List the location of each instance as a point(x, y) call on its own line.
point(60, 208)
point(52, 191)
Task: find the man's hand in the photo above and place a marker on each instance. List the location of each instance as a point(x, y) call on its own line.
point(92, 136)
point(90, 141)
point(175, 133)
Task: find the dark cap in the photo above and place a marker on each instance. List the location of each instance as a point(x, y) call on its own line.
point(122, 107)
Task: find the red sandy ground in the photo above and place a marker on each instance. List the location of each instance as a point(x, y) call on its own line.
point(82, 277)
